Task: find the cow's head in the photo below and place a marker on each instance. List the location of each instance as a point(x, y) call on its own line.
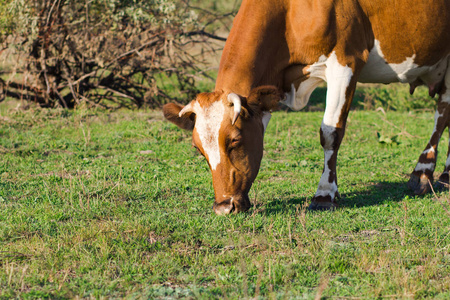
point(228, 131)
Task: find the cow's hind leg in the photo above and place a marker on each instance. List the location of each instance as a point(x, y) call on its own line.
point(422, 176)
point(444, 178)
point(443, 181)
point(341, 86)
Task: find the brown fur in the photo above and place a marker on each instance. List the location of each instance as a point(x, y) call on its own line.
point(294, 34)
point(274, 42)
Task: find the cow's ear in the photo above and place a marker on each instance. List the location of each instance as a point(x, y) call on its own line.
point(172, 113)
point(265, 98)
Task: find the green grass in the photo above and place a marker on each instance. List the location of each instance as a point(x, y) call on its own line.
point(97, 204)
point(394, 97)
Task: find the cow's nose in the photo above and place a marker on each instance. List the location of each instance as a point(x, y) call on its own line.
point(235, 204)
point(224, 208)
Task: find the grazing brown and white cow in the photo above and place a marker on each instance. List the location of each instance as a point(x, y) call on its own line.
point(291, 46)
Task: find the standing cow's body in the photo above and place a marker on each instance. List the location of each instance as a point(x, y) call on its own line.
point(296, 45)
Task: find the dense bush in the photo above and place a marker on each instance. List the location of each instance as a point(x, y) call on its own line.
point(111, 53)
point(394, 97)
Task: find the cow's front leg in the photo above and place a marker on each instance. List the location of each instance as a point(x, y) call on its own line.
point(422, 175)
point(341, 84)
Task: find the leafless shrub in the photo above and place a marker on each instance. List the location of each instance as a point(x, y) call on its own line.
point(109, 53)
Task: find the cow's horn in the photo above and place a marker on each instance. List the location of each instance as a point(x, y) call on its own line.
point(233, 98)
point(187, 108)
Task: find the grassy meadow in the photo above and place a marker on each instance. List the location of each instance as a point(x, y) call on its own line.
point(97, 204)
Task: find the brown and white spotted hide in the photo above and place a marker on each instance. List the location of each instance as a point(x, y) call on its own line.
point(228, 131)
point(295, 45)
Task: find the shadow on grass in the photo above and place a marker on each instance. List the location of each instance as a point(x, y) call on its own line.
point(375, 194)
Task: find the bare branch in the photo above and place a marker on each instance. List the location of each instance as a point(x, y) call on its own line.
point(204, 33)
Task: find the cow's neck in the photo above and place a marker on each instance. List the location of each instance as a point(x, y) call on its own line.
point(256, 51)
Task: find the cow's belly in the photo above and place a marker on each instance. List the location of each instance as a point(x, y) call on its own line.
point(377, 70)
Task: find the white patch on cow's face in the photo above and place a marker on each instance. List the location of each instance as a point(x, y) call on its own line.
point(338, 79)
point(207, 124)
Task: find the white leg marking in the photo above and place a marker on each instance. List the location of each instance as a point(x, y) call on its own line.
point(431, 149)
point(436, 117)
point(420, 167)
point(326, 188)
point(424, 167)
point(207, 124)
point(338, 79)
point(446, 98)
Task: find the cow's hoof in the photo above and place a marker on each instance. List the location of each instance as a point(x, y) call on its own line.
point(443, 182)
point(420, 185)
point(322, 203)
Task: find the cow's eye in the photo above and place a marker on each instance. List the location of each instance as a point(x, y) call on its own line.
point(235, 142)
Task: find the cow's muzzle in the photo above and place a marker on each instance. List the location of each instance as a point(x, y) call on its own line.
point(232, 205)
